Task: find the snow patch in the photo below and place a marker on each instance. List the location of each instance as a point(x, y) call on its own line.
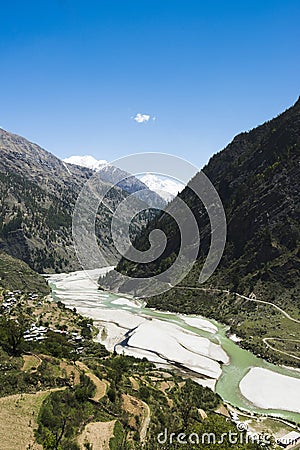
point(163, 186)
point(86, 161)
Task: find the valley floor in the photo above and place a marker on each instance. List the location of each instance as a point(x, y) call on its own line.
point(195, 345)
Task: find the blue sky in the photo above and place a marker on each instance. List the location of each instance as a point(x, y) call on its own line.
point(73, 74)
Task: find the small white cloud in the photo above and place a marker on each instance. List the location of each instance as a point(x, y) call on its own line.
point(142, 118)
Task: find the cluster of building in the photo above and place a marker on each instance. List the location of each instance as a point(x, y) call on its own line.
point(289, 441)
point(11, 299)
point(36, 332)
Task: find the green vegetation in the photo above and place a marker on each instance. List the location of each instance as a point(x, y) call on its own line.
point(14, 380)
point(62, 414)
point(28, 212)
point(117, 441)
point(12, 334)
point(17, 275)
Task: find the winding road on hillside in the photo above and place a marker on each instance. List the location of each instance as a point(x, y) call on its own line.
point(272, 304)
point(145, 423)
point(227, 291)
point(266, 341)
point(252, 299)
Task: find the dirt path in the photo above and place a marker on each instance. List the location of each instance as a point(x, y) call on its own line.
point(31, 362)
point(101, 385)
point(145, 423)
point(266, 341)
point(226, 291)
point(98, 434)
point(137, 408)
point(271, 304)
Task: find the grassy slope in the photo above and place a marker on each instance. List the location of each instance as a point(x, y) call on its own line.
point(18, 420)
point(17, 275)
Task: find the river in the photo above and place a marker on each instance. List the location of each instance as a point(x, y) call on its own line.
point(195, 346)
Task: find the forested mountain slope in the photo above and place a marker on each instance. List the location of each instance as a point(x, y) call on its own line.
point(257, 177)
point(38, 192)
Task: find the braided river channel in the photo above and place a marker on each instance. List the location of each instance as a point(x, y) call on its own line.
point(191, 345)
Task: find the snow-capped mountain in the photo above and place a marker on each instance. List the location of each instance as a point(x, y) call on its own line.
point(113, 174)
point(165, 187)
point(86, 161)
point(109, 173)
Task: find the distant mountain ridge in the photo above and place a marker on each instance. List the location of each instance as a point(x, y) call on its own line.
point(123, 180)
point(164, 187)
point(109, 173)
point(18, 155)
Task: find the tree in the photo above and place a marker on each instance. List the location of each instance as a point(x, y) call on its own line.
point(12, 334)
point(54, 417)
point(144, 393)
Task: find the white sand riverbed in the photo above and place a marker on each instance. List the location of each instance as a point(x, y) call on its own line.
point(271, 390)
point(235, 338)
point(173, 343)
point(156, 339)
point(199, 322)
point(126, 302)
